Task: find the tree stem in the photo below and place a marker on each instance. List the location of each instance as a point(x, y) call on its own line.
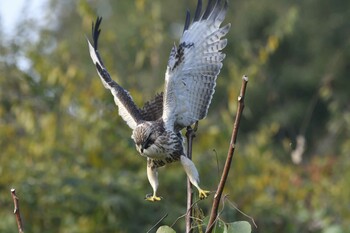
point(218, 194)
point(190, 134)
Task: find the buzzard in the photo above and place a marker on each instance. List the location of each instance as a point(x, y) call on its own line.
point(190, 80)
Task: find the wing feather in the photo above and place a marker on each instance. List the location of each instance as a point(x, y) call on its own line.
point(197, 13)
point(153, 109)
point(127, 108)
point(187, 21)
point(194, 65)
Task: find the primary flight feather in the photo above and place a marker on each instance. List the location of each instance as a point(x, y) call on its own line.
point(190, 80)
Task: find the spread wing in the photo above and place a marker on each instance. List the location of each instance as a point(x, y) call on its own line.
point(127, 108)
point(193, 67)
point(153, 109)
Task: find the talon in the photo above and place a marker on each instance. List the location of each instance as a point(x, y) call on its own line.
point(152, 198)
point(203, 194)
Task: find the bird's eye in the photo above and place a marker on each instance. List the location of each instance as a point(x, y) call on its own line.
point(149, 141)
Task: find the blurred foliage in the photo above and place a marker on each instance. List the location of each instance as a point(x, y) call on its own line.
point(70, 157)
point(220, 227)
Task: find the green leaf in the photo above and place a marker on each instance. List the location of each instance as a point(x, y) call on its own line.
point(238, 227)
point(165, 229)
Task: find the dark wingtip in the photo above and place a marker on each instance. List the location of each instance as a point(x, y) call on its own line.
point(197, 14)
point(216, 9)
point(208, 9)
point(96, 31)
point(188, 18)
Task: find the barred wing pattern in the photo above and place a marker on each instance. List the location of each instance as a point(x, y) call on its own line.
point(193, 67)
point(153, 109)
point(127, 108)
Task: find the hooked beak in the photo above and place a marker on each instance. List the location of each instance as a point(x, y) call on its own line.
point(140, 148)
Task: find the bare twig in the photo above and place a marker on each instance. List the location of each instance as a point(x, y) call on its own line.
point(217, 163)
point(222, 210)
point(218, 215)
point(190, 134)
point(218, 194)
point(184, 215)
point(161, 219)
point(16, 211)
point(240, 211)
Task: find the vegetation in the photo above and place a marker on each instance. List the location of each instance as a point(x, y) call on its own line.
point(70, 157)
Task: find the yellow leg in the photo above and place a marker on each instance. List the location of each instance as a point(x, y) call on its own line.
point(152, 175)
point(193, 175)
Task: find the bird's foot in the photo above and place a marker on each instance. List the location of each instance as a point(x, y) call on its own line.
point(203, 194)
point(152, 198)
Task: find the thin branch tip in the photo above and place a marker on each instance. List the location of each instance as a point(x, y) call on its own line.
point(16, 211)
point(161, 219)
point(245, 78)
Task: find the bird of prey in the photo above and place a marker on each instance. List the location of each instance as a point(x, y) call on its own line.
point(190, 80)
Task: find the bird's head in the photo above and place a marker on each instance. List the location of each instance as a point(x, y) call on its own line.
point(143, 137)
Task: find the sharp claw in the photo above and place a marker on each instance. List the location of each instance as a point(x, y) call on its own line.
point(203, 194)
point(153, 198)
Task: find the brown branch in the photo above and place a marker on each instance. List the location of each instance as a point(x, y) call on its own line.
point(16, 211)
point(190, 134)
point(218, 194)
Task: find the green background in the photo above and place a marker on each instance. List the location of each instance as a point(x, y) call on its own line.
point(72, 161)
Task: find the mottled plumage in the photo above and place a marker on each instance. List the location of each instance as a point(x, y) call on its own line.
point(190, 81)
